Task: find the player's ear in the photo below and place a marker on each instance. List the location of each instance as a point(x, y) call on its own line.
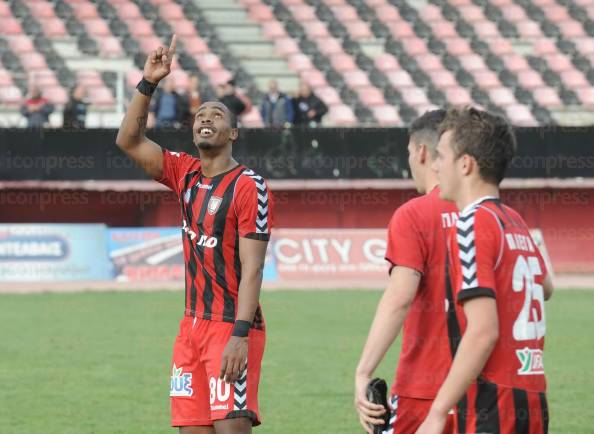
point(423, 153)
point(234, 134)
point(467, 163)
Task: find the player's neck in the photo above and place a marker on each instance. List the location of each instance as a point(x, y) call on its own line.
point(472, 192)
point(213, 164)
point(430, 182)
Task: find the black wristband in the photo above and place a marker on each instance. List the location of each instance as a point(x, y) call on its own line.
point(145, 87)
point(241, 328)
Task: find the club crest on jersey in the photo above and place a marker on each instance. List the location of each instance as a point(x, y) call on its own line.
point(213, 204)
point(531, 362)
point(181, 384)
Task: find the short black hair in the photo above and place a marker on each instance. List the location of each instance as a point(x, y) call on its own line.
point(425, 129)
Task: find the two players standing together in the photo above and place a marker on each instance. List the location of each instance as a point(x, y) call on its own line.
point(470, 297)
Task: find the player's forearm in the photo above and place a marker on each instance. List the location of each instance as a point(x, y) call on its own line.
point(249, 294)
point(133, 125)
point(472, 354)
point(384, 329)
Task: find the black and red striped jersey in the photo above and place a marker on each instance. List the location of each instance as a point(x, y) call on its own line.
point(216, 211)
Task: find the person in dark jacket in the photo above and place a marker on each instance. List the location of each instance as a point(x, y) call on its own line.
point(309, 109)
point(36, 108)
point(169, 107)
point(75, 111)
point(228, 96)
point(276, 107)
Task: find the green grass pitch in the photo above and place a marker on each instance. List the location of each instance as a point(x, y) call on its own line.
point(99, 362)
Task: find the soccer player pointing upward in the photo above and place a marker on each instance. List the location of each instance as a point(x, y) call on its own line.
point(226, 222)
point(500, 283)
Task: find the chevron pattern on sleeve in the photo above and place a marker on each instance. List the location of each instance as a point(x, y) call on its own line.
point(466, 246)
point(262, 216)
point(240, 392)
point(393, 414)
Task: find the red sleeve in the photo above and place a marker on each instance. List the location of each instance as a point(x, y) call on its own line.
point(175, 166)
point(478, 239)
point(405, 246)
point(253, 206)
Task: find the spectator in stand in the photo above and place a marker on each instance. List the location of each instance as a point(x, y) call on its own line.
point(169, 107)
point(36, 108)
point(309, 109)
point(193, 99)
point(228, 95)
point(75, 111)
point(276, 108)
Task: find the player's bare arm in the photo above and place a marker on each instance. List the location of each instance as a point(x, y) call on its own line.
point(390, 314)
point(251, 255)
point(547, 286)
point(477, 343)
point(131, 139)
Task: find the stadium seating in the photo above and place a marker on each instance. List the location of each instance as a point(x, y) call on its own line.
point(374, 62)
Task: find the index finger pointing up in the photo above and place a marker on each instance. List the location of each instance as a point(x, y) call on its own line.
point(172, 45)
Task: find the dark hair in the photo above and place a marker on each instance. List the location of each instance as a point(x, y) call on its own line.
point(425, 129)
point(486, 137)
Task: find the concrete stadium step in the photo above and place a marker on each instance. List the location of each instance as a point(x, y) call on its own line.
point(264, 50)
point(240, 33)
point(216, 4)
point(266, 67)
point(226, 16)
point(574, 116)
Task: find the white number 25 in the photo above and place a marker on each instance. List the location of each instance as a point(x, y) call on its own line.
point(523, 280)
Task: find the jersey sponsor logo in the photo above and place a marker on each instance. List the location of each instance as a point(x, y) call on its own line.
point(213, 204)
point(181, 383)
point(531, 361)
point(204, 240)
point(203, 186)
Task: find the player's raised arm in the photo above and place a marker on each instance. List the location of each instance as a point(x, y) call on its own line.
point(131, 138)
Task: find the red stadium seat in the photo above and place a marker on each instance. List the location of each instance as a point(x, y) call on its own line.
point(359, 30)
point(46, 79)
point(430, 12)
point(584, 45)
point(140, 28)
point(544, 46)
point(500, 46)
point(133, 77)
point(342, 115)
point(303, 13)
point(574, 79)
point(586, 96)
point(444, 29)
point(33, 61)
point(514, 13)
point(42, 10)
point(100, 96)
point(149, 43)
point(471, 13)
point(21, 44)
point(371, 96)
point(286, 46)
point(547, 97)
point(84, 10)
point(414, 46)
point(129, 11)
point(171, 11)
point(388, 13)
point(209, 61)
point(519, 114)
point(429, 62)
point(5, 78)
point(329, 46)
point(457, 46)
point(559, 62)
point(328, 94)
point(273, 29)
point(97, 27)
point(529, 29)
point(5, 9)
point(219, 76)
point(195, 45)
point(53, 27)
point(556, 13)
point(486, 79)
point(400, 79)
point(386, 62)
point(11, 95)
point(502, 96)
point(299, 62)
point(414, 96)
point(345, 13)
point(571, 29)
point(313, 77)
point(530, 79)
point(261, 13)
point(356, 79)
point(442, 78)
point(10, 26)
point(458, 96)
point(109, 46)
point(515, 62)
point(180, 78)
point(486, 29)
point(401, 30)
point(316, 29)
point(56, 95)
point(473, 62)
point(183, 28)
point(386, 115)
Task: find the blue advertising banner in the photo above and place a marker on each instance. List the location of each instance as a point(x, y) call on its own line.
point(53, 252)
